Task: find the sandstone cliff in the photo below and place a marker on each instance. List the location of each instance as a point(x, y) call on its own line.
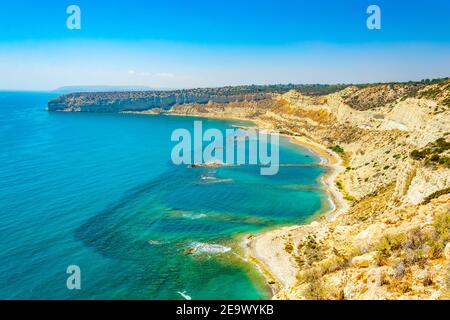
point(144, 100)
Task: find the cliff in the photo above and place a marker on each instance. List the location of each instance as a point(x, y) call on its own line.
point(121, 101)
point(142, 100)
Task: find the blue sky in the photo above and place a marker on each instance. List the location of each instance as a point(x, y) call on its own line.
point(177, 43)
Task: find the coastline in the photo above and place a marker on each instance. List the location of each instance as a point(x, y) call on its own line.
point(266, 250)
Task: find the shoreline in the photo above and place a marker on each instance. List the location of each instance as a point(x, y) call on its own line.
point(266, 250)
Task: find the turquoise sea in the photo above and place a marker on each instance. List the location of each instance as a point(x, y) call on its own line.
point(99, 191)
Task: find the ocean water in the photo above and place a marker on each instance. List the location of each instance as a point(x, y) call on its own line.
point(99, 191)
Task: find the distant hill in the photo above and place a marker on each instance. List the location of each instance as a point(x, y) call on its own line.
point(360, 96)
point(73, 89)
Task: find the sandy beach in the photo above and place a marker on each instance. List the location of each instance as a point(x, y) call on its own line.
point(267, 250)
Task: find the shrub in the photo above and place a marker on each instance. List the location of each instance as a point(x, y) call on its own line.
point(349, 198)
point(434, 158)
point(399, 286)
point(338, 149)
point(314, 289)
point(427, 280)
point(417, 155)
point(442, 235)
point(399, 270)
point(436, 194)
point(433, 153)
point(414, 239)
point(445, 161)
point(289, 248)
point(414, 257)
point(390, 243)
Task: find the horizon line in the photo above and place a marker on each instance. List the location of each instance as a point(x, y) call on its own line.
point(423, 80)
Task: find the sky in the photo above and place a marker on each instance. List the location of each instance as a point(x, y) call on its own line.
point(184, 44)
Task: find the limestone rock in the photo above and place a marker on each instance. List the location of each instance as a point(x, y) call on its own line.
point(364, 260)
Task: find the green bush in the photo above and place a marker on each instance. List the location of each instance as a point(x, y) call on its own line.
point(436, 194)
point(442, 233)
point(390, 243)
point(434, 158)
point(433, 153)
point(338, 149)
point(417, 155)
point(314, 289)
point(289, 248)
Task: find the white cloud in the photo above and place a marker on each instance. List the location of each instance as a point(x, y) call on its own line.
point(166, 75)
point(131, 72)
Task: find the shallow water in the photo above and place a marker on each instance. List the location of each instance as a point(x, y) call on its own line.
point(99, 191)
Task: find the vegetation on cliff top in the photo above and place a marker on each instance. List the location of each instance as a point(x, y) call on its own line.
point(360, 96)
point(434, 153)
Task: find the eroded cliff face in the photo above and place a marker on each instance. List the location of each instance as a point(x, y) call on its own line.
point(145, 100)
point(377, 250)
point(391, 244)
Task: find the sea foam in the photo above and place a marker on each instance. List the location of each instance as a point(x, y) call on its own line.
point(210, 248)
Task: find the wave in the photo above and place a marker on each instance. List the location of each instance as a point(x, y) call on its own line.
point(208, 248)
point(193, 216)
point(212, 179)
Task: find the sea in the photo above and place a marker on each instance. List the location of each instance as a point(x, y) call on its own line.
point(99, 192)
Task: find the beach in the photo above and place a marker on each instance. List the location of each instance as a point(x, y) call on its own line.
point(267, 250)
